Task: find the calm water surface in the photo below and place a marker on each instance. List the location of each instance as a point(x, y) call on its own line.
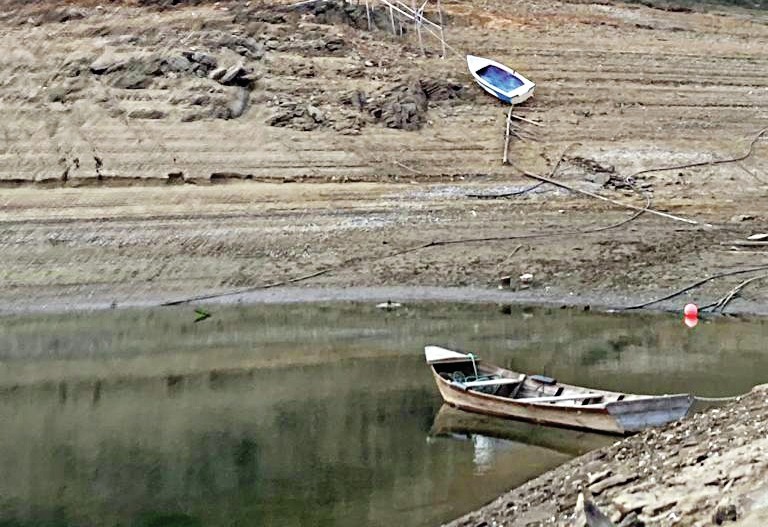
point(312, 414)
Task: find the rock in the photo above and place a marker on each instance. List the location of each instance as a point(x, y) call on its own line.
point(77, 63)
point(107, 63)
point(335, 44)
point(601, 178)
point(725, 512)
point(194, 116)
point(315, 113)
point(217, 74)
point(177, 64)
point(627, 503)
point(203, 63)
point(741, 217)
point(246, 46)
point(631, 520)
point(132, 80)
point(200, 99)
point(235, 76)
point(239, 103)
point(146, 113)
point(356, 99)
point(403, 107)
point(613, 481)
point(443, 90)
point(593, 478)
point(292, 115)
point(269, 16)
point(65, 91)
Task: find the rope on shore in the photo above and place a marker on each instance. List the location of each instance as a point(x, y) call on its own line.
point(638, 212)
point(736, 159)
point(358, 259)
point(694, 286)
point(244, 290)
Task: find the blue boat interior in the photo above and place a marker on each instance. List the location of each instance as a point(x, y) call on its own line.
point(499, 78)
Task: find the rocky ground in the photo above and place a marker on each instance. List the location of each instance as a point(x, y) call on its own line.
point(121, 121)
point(708, 470)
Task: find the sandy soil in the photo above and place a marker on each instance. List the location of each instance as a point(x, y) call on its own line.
point(114, 194)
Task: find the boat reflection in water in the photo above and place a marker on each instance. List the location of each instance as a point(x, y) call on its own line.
point(535, 445)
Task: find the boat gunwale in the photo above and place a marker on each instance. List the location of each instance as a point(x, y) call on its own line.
point(593, 408)
point(597, 408)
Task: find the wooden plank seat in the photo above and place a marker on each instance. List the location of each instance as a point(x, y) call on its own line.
point(490, 382)
point(561, 398)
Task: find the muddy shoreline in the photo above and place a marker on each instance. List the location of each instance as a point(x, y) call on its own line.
point(403, 295)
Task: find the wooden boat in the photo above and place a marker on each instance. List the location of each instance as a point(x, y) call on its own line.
point(468, 383)
point(500, 81)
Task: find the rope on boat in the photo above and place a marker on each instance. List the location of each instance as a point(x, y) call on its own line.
point(474, 366)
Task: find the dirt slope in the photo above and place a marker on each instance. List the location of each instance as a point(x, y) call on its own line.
point(173, 100)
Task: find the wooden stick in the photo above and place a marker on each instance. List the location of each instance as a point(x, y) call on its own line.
point(405, 11)
point(442, 33)
point(736, 291)
point(525, 120)
point(368, 14)
point(505, 159)
point(746, 243)
point(609, 200)
point(409, 12)
point(303, 3)
point(398, 163)
point(418, 27)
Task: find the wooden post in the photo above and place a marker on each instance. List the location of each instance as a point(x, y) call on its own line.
point(368, 14)
point(418, 26)
point(442, 34)
point(505, 159)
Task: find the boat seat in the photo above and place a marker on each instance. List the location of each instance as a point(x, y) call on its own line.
point(543, 379)
point(561, 398)
point(490, 382)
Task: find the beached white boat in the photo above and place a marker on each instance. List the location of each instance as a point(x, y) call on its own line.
point(500, 81)
point(468, 383)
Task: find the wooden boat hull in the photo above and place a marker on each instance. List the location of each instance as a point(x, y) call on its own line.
point(616, 413)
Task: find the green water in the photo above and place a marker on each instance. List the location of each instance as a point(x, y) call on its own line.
point(308, 414)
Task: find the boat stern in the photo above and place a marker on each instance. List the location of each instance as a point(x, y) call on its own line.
point(634, 415)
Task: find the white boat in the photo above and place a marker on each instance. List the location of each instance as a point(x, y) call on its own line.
point(500, 81)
